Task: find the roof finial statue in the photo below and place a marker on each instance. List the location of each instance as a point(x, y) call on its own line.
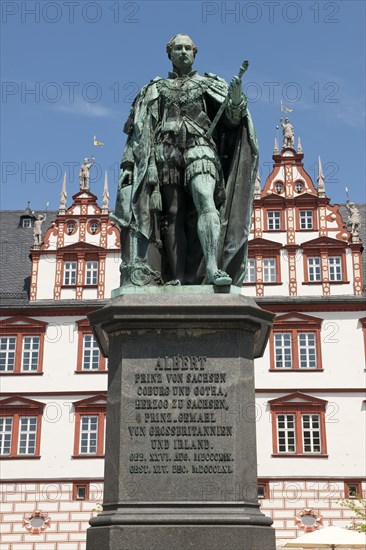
point(84, 174)
point(257, 187)
point(105, 196)
point(320, 180)
point(63, 197)
point(354, 221)
point(299, 146)
point(288, 133)
point(37, 229)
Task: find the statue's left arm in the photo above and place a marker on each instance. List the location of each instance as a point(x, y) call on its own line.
point(237, 103)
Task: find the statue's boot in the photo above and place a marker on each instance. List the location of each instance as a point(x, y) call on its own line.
point(221, 278)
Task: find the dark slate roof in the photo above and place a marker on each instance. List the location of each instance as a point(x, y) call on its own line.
point(15, 265)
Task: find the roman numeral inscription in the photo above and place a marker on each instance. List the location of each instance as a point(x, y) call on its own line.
point(180, 419)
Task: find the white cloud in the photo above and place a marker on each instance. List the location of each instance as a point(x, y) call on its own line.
point(84, 108)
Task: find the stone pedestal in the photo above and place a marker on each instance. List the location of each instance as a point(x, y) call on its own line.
point(180, 466)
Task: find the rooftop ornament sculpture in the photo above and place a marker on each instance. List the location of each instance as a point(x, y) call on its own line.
point(84, 174)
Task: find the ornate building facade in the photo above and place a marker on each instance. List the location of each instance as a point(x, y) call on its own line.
point(304, 265)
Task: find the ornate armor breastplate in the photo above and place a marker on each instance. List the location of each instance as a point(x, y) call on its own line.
point(182, 91)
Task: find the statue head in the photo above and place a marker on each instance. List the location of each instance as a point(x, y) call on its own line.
point(86, 160)
point(181, 50)
point(286, 120)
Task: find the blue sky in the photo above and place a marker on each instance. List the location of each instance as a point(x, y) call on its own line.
point(70, 70)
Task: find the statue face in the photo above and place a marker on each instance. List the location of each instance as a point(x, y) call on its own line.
point(182, 55)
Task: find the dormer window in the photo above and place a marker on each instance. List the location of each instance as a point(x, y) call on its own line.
point(93, 227)
point(278, 187)
point(26, 222)
point(299, 187)
point(70, 228)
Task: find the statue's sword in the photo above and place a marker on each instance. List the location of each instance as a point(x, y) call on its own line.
point(209, 133)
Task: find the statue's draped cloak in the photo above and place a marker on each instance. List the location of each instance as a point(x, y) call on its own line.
point(239, 163)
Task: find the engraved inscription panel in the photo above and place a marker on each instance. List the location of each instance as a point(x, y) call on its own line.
point(180, 425)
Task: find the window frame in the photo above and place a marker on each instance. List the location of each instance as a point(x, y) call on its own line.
point(266, 490)
point(84, 329)
point(305, 202)
point(320, 248)
point(249, 270)
point(262, 249)
point(315, 280)
point(296, 324)
point(279, 218)
point(274, 259)
point(92, 406)
point(306, 218)
point(78, 484)
point(334, 265)
point(93, 271)
point(22, 327)
point(17, 408)
point(26, 223)
point(66, 271)
point(355, 482)
point(298, 405)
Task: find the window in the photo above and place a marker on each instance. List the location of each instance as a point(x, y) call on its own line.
point(307, 350)
point(263, 262)
point(314, 273)
point(30, 353)
point(80, 491)
point(353, 489)
point(70, 227)
point(269, 270)
point(70, 273)
point(308, 520)
point(311, 433)
point(286, 439)
point(94, 226)
point(91, 353)
point(278, 187)
point(89, 358)
point(274, 220)
point(298, 424)
point(263, 489)
point(335, 268)
point(324, 261)
point(20, 425)
point(250, 273)
point(88, 434)
point(7, 353)
point(295, 343)
point(27, 435)
point(306, 219)
point(26, 222)
point(6, 425)
point(90, 427)
point(283, 350)
point(91, 274)
point(299, 186)
point(21, 345)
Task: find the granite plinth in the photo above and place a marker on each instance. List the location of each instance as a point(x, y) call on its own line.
point(181, 467)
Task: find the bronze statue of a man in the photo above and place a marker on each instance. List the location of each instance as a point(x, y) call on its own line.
point(187, 176)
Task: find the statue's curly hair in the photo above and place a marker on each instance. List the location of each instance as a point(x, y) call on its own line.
point(170, 44)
